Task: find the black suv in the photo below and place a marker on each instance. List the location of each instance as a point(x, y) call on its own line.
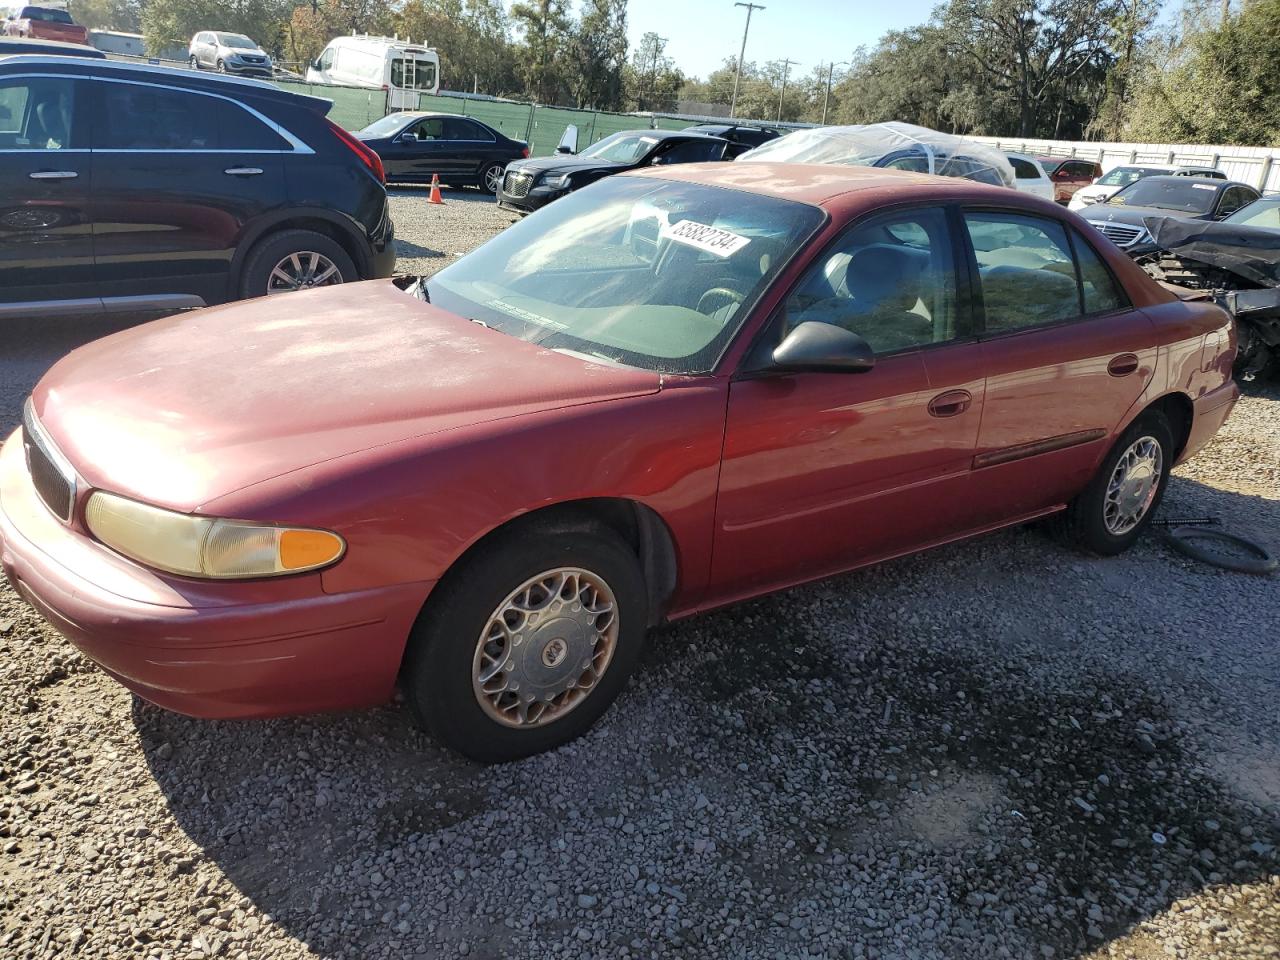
point(126, 187)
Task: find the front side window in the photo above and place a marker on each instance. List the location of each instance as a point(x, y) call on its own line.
point(649, 273)
point(37, 113)
point(1025, 268)
point(890, 280)
point(326, 59)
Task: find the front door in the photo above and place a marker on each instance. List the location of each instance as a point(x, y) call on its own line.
point(177, 174)
point(46, 234)
point(823, 471)
point(1066, 357)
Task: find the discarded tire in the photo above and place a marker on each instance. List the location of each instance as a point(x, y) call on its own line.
point(1222, 549)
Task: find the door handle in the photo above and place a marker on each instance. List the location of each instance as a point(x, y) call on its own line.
point(950, 404)
point(242, 171)
point(53, 175)
point(1123, 365)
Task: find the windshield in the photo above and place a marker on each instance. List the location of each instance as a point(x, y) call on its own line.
point(386, 126)
point(1173, 193)
point(47, 16)
point(649, 273)
point(621, 148)
point(236, 41)
point(1260, 213)
point(1123, 176)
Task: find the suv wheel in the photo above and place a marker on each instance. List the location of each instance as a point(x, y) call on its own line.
point(295, 260)
point(222, 67)
point(193, 63)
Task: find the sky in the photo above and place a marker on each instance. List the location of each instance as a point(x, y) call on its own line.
point(701, 34)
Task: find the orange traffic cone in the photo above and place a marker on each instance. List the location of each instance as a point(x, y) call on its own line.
point(435, 190)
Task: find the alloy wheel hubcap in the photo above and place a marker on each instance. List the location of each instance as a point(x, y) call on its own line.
point(1133, 485)
point(493, 178)
point(545, 647)
point(301, 271)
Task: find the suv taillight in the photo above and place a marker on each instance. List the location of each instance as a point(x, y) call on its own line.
point(367, 156)
point(524, 152)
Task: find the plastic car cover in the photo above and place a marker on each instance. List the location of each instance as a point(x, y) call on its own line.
point(1249, 252)
point(864, 145)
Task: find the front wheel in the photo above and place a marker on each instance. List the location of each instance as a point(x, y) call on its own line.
point(491, 178)
point(1117, 506)
point(526, 645)
point(222, 67)
point(295, 260)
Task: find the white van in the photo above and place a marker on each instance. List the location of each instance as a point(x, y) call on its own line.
point(401, 68)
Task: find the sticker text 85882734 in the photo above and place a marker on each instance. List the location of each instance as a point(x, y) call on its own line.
point(713, 240)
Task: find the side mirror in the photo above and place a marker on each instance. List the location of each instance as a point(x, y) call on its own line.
point(315, 65)
point(823, 348)
point(564, 148)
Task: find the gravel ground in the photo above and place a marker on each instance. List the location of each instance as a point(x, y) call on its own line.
point(997, 749)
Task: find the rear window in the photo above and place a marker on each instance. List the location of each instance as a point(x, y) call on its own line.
point(413, 74)
point(1024, 170)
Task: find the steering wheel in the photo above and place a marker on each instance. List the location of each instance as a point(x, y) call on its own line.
point(718, 293)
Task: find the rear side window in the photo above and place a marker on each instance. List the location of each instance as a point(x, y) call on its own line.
point(692, 151)
point(1097, 286)
point(1026, 270)
point(1024, 170)
point(141, 117)
point(37, 113)
point(458, 129)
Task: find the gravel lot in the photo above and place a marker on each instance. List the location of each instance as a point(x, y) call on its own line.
point(998, 749)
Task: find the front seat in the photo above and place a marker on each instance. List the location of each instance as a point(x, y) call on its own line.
point(55, 122)
point(873, 293)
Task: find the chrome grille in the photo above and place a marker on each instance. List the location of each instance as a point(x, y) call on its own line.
point(1121, 234)
point(516, 185)
point(51, 475)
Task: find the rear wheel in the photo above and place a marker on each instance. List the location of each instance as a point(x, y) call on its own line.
point(527, 644)
point(295, 260)
point(1117, 506)
point(491, 178)
point(193, 63)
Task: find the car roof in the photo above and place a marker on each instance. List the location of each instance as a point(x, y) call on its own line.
point(671, 134)
point(15, 46)
point(169, 76)
point(1201, 183)
point(822, 184)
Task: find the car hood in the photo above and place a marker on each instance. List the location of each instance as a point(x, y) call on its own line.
point(255, 52)
point(185, 410)
point(1134, 216)
point(562, 163)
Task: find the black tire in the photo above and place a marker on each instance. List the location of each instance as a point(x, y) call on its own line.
point(272, 249)
point(1083, 525)
point(484, 177)
point(1251, 557)
point(222, 67)
point(438, 667)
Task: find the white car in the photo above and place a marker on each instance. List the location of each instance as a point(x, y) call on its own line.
point(1029, 175)
point(1118, 177)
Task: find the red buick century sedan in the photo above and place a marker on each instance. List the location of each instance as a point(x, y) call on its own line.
point(667, 392)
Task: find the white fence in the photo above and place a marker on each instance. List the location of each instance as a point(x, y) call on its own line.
point(1259, 166)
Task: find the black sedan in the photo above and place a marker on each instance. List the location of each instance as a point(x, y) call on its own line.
point(1120, 218)
point(531, 184)
point(463, 151)
point(741, 139)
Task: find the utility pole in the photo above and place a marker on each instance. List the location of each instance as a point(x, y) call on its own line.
point(826, 98)
point(786, 65)
point(737, 77)
point(653, 76)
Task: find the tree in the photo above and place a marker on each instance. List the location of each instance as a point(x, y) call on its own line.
point(546, 30)
point(652, 78)
point(122, 15)
point(471, 39)
point(1214, 83)
point(598, 53)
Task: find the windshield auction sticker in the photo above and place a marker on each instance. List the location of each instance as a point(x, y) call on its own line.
point(713, 240)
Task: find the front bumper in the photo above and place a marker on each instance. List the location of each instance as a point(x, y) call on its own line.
point(243, 654)
point(536, 198)
point(248, 69)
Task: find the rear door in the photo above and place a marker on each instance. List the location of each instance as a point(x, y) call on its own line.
point(1065, 356)
point(177, 174)
point(470, 145)
point(46, 232)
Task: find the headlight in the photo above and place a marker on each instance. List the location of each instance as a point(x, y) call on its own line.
point(558, 182)
point(205, 546)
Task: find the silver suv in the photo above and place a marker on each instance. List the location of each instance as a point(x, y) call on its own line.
point(228, 53)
